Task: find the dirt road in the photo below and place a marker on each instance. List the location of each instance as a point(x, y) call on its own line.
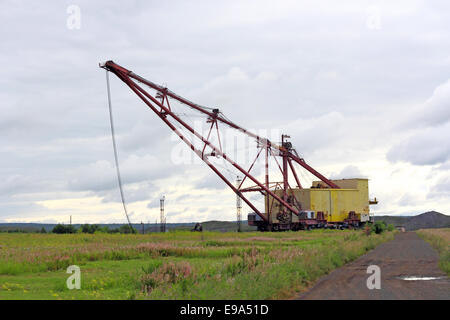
point(405, 256)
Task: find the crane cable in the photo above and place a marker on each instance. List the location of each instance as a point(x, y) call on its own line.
point(116, 158)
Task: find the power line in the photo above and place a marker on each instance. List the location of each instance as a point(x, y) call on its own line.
point(116, 158)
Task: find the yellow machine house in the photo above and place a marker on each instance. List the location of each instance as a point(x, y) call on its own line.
point(348, 203)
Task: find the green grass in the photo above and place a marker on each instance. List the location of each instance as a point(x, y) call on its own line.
point(440, 240)
point(175, 265)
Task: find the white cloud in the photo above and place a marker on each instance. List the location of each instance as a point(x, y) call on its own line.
point(101, 175)
point(429, 131)
point(429, 146)
point(441, 190)
point(436, 110)
point(347, 173)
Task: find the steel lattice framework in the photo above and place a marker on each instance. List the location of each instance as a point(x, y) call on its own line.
point(160, 105)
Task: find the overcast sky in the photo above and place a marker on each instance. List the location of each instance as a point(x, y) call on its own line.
point(362, 87)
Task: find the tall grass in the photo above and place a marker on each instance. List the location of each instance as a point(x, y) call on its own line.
point(261, 274)
point(182, 265)
point(440, 240)
point(22, 253)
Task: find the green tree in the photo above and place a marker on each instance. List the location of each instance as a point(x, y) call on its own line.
point(104, 229)
point(90, 228)
point(127, 229)
point(85, 228)
point(61, 228)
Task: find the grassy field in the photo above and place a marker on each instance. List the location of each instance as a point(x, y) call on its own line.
point(440, 240)
point(175, 265)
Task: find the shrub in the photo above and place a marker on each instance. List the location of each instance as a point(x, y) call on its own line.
point(61, 228)
point(379, 227)
point(168, 273)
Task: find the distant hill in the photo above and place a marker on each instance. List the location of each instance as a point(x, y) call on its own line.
point(427, 220)
point(396, 221)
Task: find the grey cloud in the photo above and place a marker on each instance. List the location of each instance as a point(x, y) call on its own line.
point(436, 110)
point(20, 183)
point(211, 181)
point(316, 71)
point(408, 199)
point(12, 210)
point(138, 192)
point(101, 175)
point(427, 147)
point(441, 190)
point(348, 172)
point(443, 167)
point(170, 213)
point(155, 203)
point(182, 197)
point(430, 127)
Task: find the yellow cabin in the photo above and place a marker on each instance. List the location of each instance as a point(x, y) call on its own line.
point(334, 203)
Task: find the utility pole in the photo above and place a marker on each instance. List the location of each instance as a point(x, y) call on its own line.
point(162, 217)
point(143, 229)
point(238, 205)
point(70, 220)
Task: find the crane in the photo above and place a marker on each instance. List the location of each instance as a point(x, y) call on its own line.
point(280, 194)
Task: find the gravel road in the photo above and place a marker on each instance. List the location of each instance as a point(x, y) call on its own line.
point(405, 256)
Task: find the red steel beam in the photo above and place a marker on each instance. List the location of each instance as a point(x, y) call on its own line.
point(314, 172)
point(250, 169)
point(110, 65)
point(136, 90)
point(215, 149)
point(294, 173)
point(127, 76)
point(141, 93)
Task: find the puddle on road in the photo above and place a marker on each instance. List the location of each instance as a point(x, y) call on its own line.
point(417, 278)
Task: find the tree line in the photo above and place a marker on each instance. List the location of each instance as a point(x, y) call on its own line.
point(91, 228)
point(67, 228)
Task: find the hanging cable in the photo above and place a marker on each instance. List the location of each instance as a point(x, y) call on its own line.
point(116, 158)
